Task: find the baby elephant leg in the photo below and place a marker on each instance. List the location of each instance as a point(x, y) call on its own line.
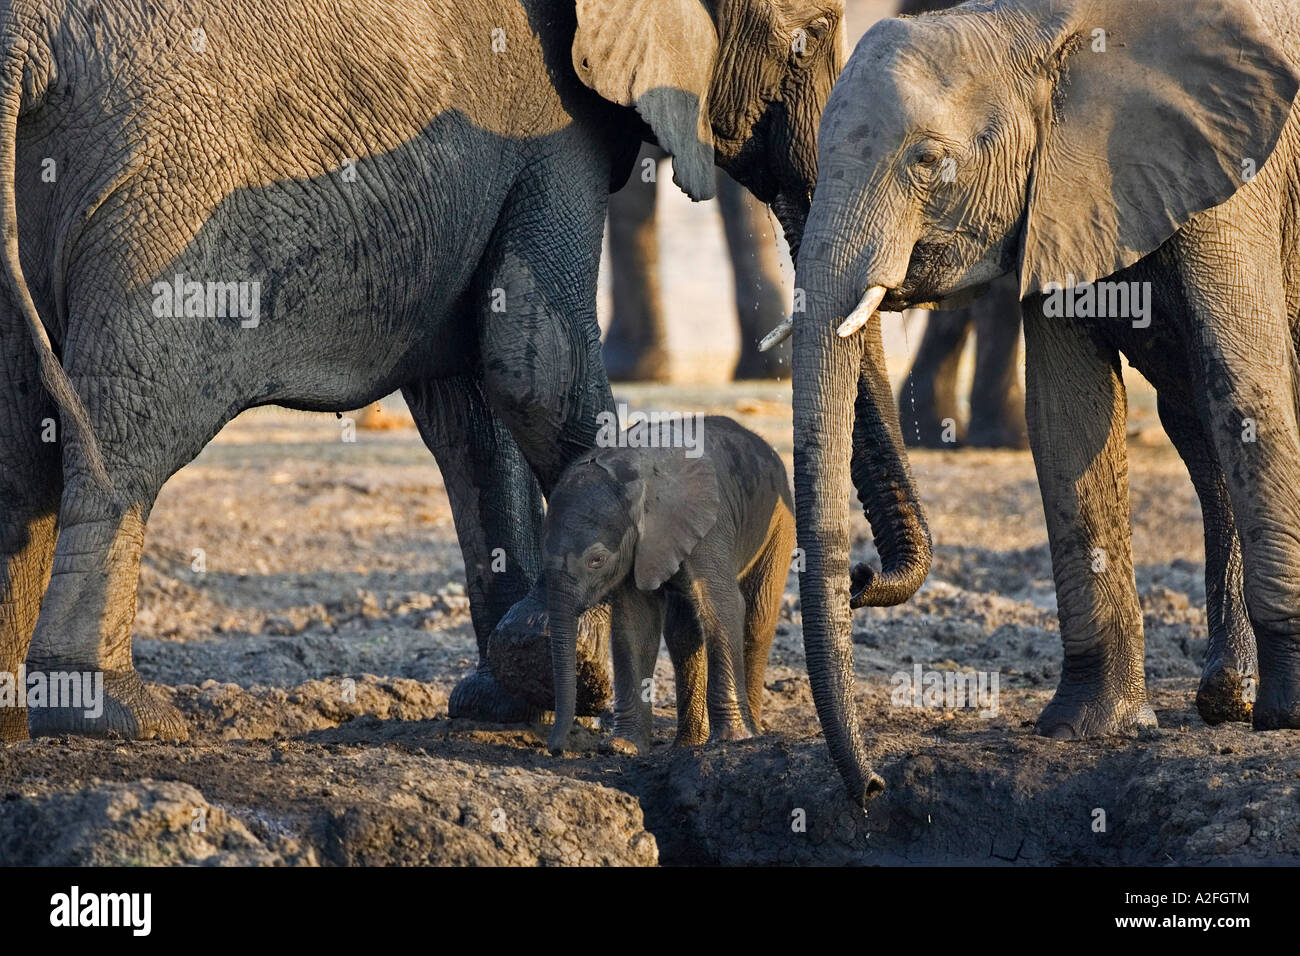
point(720, 609)
point(763, 586)
point(637, 622)
point(685, 643)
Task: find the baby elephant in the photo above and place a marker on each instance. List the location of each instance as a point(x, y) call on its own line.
point(695, 543)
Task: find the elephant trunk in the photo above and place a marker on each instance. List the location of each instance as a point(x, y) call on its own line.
point(846, 424)
point(562, 609)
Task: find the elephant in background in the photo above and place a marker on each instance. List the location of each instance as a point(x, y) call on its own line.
point(1133, 165)
point(635, 347)
point(317, 207)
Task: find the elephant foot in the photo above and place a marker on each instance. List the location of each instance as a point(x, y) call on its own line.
point(624, 747)
point(13, 724)
point(1278, 705)
point(626, 362)
point(731, 730)
point(519, 656)
point(127, 709)
point(768, 366)
point(999, 433)
point(480, 697)
point(1225, 694)
point(1070, 717)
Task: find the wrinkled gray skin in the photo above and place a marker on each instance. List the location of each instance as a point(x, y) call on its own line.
point(420, 191)
point(1126, 164)
point(636, 342)
point(698, 547)
point(927, 399)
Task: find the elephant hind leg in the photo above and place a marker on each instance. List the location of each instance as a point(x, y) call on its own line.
point(1231, 671)
point(763, 587)
point(927, 401)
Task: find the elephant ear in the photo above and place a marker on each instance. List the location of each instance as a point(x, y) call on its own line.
point(658, 56)
point(679, 508)
point(1165, 115)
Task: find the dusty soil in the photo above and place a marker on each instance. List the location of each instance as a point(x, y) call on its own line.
point(313, 652)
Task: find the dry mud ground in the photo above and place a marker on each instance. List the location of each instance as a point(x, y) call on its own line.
point(327, 560)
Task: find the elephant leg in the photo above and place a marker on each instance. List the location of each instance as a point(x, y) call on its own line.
point(636, 346)
point(30, 482)
point(685, 643)
point(636, 624)
point(1077, 412)
point(720, 608)
point(1246, 371)
point(544, 379)
point(85, 621)
point(497, 506)
point(997, 402)
point(756, 266)
point(1231, 669)
point(763, 586)
point(927, 402)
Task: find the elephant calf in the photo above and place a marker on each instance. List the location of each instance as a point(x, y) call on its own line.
point(695, 542)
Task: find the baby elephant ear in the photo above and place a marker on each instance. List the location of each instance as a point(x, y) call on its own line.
point(681, 505)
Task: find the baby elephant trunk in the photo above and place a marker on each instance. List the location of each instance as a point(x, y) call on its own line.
point(563, 612)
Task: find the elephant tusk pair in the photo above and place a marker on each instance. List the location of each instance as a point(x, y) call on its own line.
point(859, 317)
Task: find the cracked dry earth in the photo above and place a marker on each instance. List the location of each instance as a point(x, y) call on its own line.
point(313, 654)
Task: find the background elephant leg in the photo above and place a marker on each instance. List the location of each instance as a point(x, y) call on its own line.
point(756, 265)
point(497, 506)
point(1078, 416)
point(30, 482)
point(636, 624)
point(997, 402)
point(1231, 668)
point(636, 346)
point(685, 643)
point(927, 401)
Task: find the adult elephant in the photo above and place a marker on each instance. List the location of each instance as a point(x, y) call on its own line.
point(1149, 145)
point(231, 203)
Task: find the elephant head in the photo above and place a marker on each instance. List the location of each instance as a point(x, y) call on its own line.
point(1062, 138)
point(736, 83)
point(617, 514)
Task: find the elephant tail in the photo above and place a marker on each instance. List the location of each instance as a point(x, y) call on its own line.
point(13, 56)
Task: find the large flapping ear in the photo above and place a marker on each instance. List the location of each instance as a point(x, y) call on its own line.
point(1159, 110)
point(679, 508)
point(658, 56)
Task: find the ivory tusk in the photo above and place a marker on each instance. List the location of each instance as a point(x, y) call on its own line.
point(777, 335)
point(863, 313)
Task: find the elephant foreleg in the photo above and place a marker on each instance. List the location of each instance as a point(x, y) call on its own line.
point(1231, 673)
point(497, 506)
point(1077, 412)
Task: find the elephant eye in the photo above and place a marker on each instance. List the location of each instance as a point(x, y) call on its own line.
point(597, 561)
point(929, 157)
